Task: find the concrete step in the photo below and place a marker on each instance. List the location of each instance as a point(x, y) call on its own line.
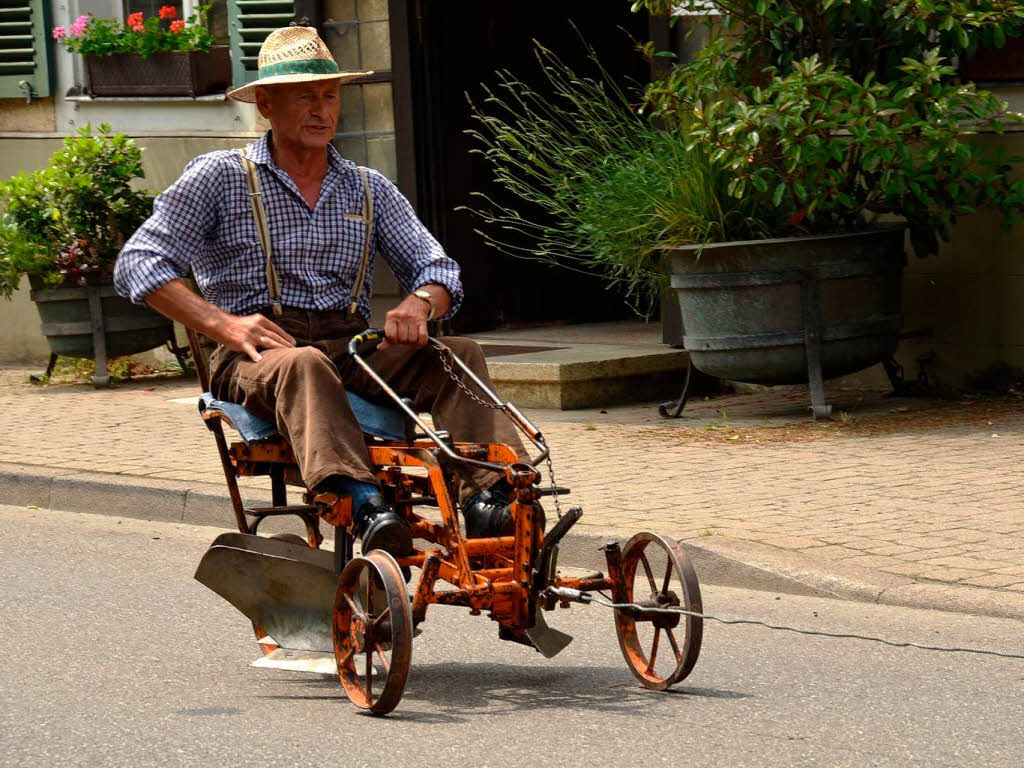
point(583, 366)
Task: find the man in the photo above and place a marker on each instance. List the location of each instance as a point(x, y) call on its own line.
point(284, 300)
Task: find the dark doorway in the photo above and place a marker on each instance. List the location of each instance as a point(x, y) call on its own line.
point(444, 49)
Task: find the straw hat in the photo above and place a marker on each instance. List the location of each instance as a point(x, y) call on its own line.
point(293, 55)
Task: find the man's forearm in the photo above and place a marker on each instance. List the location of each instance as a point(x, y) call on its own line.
point(176, 301)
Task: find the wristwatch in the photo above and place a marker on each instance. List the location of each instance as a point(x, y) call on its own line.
point(425, 295)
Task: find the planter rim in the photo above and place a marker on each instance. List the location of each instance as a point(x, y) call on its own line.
point(873, 232)
point(154, 53)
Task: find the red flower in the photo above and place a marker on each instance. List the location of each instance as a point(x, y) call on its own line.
point(135, 20)
point(168, 12)
point(177, 26)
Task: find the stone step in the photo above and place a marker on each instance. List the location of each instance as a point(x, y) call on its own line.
point(583, 366)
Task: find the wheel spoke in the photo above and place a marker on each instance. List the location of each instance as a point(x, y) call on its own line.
point(668, 576)
point(654, 650)
point(383, 615)
point(650, 573)
point(383, 658)
point(369, 674)
point(347, 657)
point(352, 605)
point(675, 645)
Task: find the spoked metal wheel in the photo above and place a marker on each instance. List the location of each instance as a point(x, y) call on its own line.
point(660, 648)
point(373, 632)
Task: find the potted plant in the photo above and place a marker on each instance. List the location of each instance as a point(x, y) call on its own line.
point(158, 56)
point(796, 131)
point(63, 227)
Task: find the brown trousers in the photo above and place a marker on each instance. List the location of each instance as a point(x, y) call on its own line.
point(302, 390)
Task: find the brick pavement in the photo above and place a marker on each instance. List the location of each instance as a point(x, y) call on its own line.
point(932, 498)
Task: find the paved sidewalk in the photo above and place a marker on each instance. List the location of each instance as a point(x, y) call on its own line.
point(895, 498)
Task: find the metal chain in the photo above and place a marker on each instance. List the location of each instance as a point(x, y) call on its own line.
point(447, 357)
point(444, 352)
point(554, 488)
point(819, 632)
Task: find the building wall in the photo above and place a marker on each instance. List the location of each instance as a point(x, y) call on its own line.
point(971, 296)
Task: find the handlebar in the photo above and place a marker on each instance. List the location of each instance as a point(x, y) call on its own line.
point(370, 334)
point(513, 413)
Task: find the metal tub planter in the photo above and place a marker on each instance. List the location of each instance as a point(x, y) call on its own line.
point(790, 310)
point(94, 322)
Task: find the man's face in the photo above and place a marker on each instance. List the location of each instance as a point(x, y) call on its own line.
point(303, 114)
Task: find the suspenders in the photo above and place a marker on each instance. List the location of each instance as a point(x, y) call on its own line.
point(259, 213)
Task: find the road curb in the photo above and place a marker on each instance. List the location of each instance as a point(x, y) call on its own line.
point(717, 560)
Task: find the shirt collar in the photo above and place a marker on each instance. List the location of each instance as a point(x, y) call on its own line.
point(261, 154)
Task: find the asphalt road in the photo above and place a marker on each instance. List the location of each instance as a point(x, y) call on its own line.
point(114, 655)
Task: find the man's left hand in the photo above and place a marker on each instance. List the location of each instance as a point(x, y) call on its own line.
point(406, 323)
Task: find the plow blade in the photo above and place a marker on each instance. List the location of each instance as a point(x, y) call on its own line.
point(550, 642)
point(315, 662)
point(285, 589)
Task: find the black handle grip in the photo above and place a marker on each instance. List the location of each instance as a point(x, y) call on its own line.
point(370, 334)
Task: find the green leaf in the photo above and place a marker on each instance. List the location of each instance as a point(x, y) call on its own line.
point(777, 196)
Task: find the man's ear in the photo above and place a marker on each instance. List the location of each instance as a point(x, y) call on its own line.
point(263, 101)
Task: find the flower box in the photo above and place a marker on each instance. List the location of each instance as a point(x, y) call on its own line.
point(993, 65)
point(169, 73)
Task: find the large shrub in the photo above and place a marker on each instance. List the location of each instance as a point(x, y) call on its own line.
point(69, 220)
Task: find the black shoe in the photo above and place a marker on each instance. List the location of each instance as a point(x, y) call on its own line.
point(488, 515)
point(380, 527)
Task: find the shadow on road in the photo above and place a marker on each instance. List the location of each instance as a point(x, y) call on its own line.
point(457, 690)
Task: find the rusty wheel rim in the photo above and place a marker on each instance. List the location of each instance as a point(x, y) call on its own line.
point(373, 632)
point(660, 649)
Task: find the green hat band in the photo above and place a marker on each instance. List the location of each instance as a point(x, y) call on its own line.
point(305, 67)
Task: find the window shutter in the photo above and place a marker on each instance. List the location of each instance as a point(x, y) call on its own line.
point(250, 23)
point(24, 49)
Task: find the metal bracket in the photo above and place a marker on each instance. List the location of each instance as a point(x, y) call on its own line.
point(673, 410)
point(99, 337)
point(26, 86)
point(811, 305)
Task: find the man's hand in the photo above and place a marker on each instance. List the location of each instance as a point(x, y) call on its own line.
point(406, 323)
point(250, 333)
point(246, 334)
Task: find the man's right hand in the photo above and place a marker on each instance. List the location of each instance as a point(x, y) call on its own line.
point(248, 333)
point(251, 333)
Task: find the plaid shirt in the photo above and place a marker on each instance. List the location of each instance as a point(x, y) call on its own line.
point(203, 225)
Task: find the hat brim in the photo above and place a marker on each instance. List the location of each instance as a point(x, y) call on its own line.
point(247, 93)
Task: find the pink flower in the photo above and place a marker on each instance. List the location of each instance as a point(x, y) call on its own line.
point(167, 12)
point(78, 27)
point(83, 19)
point(58, 33)
point(177, 26)
point(137, 28)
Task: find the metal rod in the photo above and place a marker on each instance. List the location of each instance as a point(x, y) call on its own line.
point(508, 409)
